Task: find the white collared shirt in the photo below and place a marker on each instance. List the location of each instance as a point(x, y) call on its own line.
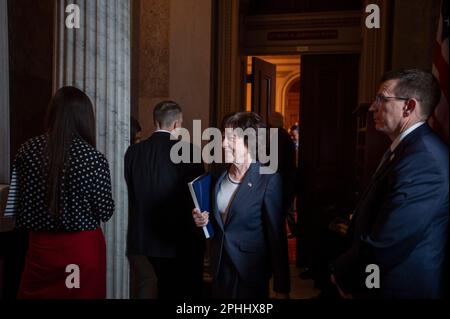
point(399, 138)
point(165, 131)
point(227, 190)
point(170, 132)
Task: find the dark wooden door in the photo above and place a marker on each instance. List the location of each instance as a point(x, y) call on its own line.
point(329, 87)
point(263, 87)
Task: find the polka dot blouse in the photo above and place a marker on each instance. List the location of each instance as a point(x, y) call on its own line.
point(86, 197)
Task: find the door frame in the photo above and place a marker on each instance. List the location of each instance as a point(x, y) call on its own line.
point(228, 52)
point(4, 95)
point(271, 91)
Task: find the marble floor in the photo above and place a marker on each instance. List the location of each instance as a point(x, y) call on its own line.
point(300, 288)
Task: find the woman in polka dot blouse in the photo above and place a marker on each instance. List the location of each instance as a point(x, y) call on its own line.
point(62, 194)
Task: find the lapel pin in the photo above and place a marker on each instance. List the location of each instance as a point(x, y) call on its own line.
point(250, 184)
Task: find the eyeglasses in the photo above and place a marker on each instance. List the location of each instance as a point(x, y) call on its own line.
point(381, 98)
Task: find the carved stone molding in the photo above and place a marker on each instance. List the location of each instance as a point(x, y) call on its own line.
point(154, 48)
point(324, 32)
point(304, 20)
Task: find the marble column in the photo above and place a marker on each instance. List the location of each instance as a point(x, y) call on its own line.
point(96, 59)
point(4, 94)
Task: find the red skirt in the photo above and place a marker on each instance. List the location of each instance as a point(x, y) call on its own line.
point(66, 265)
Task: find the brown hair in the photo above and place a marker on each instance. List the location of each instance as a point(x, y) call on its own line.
point(70, 114)
point(244, 121)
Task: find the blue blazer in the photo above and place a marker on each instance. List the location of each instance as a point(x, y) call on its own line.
point(254, 235)
point(401, 223)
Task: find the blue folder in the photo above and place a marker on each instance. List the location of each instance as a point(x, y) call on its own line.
point(200, 191)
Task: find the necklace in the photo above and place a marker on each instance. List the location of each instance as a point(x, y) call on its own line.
point(233, 181)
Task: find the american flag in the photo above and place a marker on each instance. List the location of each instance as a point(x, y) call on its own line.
point(439, 120)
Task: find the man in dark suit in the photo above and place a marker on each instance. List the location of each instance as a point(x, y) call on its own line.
point(287, 168)
point(400, 224)
point(160, 222)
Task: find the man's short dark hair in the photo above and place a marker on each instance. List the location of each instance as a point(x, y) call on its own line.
point(418, 84)
point(166, 112)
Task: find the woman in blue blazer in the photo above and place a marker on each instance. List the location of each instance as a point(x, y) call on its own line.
point(249, 245)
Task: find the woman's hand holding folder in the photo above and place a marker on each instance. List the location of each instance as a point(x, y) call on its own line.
point(200, 219)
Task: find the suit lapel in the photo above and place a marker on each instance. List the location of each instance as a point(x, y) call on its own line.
point(216, 191)
point(376, 177)
point(385, 166)
point(242, 192)
point(396, 155)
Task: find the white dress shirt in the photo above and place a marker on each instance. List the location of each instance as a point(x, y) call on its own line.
point(400, 138)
